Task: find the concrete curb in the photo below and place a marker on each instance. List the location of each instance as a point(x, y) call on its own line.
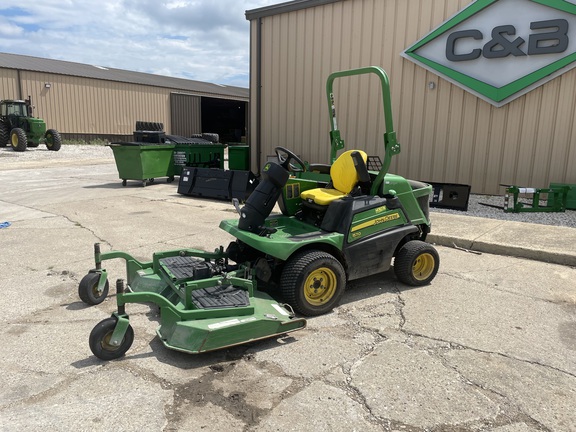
point(546, 243)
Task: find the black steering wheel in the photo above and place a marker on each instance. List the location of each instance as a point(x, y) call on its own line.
point(285, 157)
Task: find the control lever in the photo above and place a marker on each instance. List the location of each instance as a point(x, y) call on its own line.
point(236, 204)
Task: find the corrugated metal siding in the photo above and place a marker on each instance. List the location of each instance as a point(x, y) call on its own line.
point(186, 114)
point(83, 105)
point(447, 134)
point(8, 84)
point(59, 67)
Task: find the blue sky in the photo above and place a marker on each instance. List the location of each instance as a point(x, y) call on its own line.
point(204, 40)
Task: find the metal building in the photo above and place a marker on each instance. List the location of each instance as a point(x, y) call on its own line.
point(481, 95)
point(87, 101)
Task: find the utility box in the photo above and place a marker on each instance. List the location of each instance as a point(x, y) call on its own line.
point(238, 157)
point(201, 155)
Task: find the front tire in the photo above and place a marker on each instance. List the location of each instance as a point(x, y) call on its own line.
point(88, 289)
point(416, 263)
point(53, 139)
point(18, 140)
point(100, 336)
point(313, 282)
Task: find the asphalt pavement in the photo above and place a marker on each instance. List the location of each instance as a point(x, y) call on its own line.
point(490, 345)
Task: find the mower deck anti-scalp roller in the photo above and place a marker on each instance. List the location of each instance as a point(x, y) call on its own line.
point(340, 221)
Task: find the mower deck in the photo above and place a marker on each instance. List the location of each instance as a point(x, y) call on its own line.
point(205, 304)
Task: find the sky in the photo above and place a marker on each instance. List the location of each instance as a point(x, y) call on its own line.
point(203, 40)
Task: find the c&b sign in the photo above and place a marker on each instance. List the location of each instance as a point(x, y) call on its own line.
point(501, 49)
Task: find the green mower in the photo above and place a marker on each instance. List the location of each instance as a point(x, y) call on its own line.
point(339, 222)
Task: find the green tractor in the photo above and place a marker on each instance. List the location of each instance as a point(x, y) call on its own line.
point(338, 223)
point(19, 128)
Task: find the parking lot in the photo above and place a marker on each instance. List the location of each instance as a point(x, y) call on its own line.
point(490, 345)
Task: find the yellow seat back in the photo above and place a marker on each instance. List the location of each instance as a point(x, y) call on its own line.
point(344, 177)
point(343, 172)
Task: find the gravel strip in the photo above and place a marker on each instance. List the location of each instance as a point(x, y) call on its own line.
point(477, 208)
point(9, 158)
point(41, 153)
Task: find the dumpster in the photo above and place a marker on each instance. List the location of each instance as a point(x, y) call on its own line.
point(238, 157)
point(143, 161)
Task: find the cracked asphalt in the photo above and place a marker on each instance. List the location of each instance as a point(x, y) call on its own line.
point(490, 345)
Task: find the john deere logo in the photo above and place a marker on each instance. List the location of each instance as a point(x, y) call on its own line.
point(501, 49)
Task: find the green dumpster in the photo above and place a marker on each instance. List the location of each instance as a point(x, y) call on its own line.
point(238, 157)
point(193, 154)
point(143, 161)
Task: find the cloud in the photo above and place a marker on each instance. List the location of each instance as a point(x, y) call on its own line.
point(205, 40)
point(9, 30)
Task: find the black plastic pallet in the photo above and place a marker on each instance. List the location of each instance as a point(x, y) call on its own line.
point(220, 297)
point(186, 267)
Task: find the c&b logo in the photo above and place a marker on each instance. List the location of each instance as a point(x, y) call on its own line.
point(501, 49)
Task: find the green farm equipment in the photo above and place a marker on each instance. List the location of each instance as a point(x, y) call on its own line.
point(282, 264)
point(19, 128)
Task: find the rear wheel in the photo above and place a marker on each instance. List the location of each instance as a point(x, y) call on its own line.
point(313, 282)
point(53, 140)
point(88, 289)
point(4, 135)
point(416, 263)
point(100, 340)
point(18, 140)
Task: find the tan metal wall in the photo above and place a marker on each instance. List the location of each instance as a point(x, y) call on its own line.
point(8, 84)
point(447, 134)
point(85, 106)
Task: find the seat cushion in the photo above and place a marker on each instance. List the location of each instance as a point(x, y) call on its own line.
point(322, 196)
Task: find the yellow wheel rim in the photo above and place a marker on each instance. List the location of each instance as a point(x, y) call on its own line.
point(423, 266)
point(14, 140)
point(320, 286)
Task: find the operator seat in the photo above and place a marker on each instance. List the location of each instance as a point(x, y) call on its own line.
point(345, 174)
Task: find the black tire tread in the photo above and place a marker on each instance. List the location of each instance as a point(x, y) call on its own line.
point(100, 331)
point(85, 289)
point(22, 139)
point(57, 140)
point(4, 135)
point(295, 268)
point(404, 261)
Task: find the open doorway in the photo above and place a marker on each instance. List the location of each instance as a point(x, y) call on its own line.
point(225, 117)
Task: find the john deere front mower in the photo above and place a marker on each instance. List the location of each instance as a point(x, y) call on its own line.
point(347, 224)
point(19, 128)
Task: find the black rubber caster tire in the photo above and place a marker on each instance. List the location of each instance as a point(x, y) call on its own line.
point(88, 289)
point(100, 338)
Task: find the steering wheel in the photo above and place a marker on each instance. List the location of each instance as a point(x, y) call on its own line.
point(285, 157)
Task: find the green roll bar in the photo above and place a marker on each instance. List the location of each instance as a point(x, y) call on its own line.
point(391, 145)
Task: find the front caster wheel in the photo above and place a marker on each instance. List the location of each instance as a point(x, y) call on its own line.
point(100, 340)
point(88, 289)
point(416, 263)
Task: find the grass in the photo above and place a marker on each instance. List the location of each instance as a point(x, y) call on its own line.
point(100, 142)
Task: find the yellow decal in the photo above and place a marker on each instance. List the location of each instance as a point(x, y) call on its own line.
point(380, 209)
point(356, 234)
point(377, 221)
